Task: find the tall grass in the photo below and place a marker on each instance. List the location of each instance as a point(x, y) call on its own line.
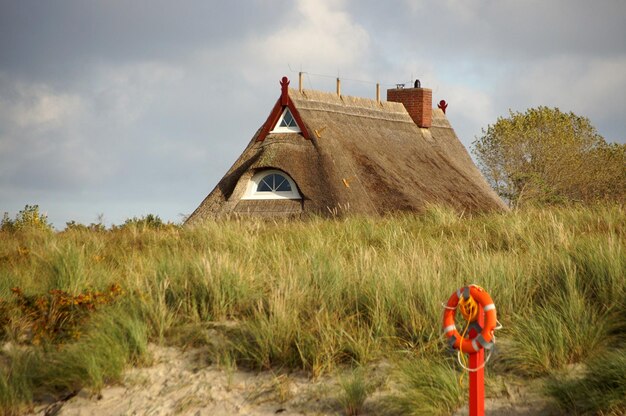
point(427, 387)
point(354, 391)
point(601, 390)
point(321, 293)
point(43, 372)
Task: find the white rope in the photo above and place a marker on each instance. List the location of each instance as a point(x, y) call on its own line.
point(473, 370)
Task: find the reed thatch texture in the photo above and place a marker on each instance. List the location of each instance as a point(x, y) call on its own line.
point(363, 157)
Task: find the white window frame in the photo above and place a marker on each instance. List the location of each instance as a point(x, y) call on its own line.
point(253, 184)
point(279, 129)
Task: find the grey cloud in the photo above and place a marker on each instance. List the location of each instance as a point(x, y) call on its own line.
point(495, 30)
point(62, 39)
point(134, 108)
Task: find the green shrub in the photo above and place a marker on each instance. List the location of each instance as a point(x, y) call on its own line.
point(149, 221)
point(93, 227)
point(27, 219)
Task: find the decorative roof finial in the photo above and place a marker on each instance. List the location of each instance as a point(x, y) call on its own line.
point(284, 91)
point(443, 105)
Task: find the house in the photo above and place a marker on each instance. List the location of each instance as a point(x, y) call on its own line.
point(327, 153)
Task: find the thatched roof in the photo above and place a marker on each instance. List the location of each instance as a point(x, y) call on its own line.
point(362, 156)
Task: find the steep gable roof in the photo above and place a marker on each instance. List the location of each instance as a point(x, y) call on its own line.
point(361, 156)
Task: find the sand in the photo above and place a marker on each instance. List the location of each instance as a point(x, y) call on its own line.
point(183, 382)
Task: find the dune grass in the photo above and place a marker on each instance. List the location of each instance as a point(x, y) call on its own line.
point(315, 294)
point(111, 342)
point(600, 390)
point(355, 389)
point(426, 387)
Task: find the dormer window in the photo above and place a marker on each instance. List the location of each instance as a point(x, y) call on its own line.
point(271, 184)
point(286, 123)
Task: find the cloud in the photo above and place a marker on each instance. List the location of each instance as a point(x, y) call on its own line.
point(511, 30)
point(56, 43)
point(317, 34)
point(53, 140)
point(126, 92)
point(35, 105)
point(591, 88)
point(31, 118)
point(145, 105)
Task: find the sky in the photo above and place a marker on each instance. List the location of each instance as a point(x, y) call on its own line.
point(112, 110)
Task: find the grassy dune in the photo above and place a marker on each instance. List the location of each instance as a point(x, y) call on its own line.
point(320, 295)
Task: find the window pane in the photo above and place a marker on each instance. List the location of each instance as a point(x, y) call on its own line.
point(264, 186)
point(274, 183)
point(285, 123)
point(288, 120)
point(283, 185)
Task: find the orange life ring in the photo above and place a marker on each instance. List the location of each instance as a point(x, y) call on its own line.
point(485, 338)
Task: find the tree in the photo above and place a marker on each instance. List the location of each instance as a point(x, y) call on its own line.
point(546, 156)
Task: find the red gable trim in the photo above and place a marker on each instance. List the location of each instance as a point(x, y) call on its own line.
point(281, 103)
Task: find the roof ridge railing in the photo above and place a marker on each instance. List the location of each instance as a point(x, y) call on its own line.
point(339, 78)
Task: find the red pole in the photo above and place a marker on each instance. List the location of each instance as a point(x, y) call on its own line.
point(477, 378)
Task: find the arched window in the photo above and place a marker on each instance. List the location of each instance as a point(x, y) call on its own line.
point(271, 184)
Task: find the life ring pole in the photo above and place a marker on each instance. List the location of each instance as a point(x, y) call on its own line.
point(477, 378)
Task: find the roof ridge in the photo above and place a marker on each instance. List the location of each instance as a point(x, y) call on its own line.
point(321, 101)
point(317, 95)
point(400, 116)
point(327, 93)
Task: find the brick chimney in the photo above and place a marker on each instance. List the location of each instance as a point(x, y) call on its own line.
point(417, 101)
